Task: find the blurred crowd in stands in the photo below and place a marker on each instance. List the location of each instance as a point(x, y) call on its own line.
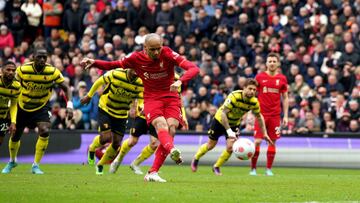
point(318, 41)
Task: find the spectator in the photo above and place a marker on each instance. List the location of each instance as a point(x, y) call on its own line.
point(6, 38)
point(333, 84)
point(343, 124)
point(85, 109)
point(73, 19)
point(354, 109)
point(185, 25)
point(354, 126)
point(91, 18)
point(208, 117)
point(195, 121)
point(148, 14)
point(33, 12)
point(163, 16)
point(177, 12)
point(230, 17)
point(17, 22)
point(133, 15)
point(118, 19)
point(52, 15)
point(298, 85)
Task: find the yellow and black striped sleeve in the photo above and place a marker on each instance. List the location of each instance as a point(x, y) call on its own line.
point(59, 78)
point(97, 84)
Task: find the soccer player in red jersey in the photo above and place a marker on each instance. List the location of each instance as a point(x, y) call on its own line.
point(272, 86)
point(162, 107)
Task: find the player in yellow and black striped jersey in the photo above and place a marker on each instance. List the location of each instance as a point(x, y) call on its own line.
point(9, 92)
point(139, 128)
point(37, 79)
point(226, 121)
point(123, 87)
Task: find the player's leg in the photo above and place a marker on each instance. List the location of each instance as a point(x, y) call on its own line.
point(123, 150)
point(255, 157)
point(14, 140)
point(175, 153)
point(118, 127)
point(104, 136)
point(110, 152)
point(41, 145)
point(214, 133)
point(146, 152)
point(139, 128)
point(160, 156)
point(273, 126)
point(258, 136)
point(155, 111)
point(270, 155)
point(225, 155)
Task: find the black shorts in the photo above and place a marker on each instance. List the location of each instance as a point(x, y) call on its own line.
point(217, 129)
point(4, 126)
point(31, 119)
point(140, 127)
point(110, 123)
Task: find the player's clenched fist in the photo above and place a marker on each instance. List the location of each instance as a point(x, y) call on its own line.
point(86, 63)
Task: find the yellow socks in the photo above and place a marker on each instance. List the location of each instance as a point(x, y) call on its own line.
point(108, 156)
point(146, 152)
point(125, 148)
point(40, 148)
point(95, 144)
point(201, 151)
point(13, 149)
point(225, 155)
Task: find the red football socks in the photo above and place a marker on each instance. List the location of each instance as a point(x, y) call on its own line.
point(255, 157)
point(271, 151)
point(166, 140)
point(160, 156)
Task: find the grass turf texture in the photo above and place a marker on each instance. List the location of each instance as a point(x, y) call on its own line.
point(78, 183)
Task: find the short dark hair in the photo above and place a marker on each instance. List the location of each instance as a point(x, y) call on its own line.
point(251, 81)
point(273, 54)
point(9, 63)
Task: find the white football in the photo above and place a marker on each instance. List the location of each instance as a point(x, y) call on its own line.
point(243, 148)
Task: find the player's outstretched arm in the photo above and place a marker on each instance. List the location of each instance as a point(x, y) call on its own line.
point(97, 84)
point(87, 63)
point(261, 121)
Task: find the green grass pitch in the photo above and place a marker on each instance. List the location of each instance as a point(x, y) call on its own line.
point(78, 183)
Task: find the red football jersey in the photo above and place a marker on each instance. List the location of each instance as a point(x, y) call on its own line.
point(269, 93)
point(157, 75)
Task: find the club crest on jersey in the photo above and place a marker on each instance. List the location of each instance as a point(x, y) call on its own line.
point(277, 82)
point(161, 64)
